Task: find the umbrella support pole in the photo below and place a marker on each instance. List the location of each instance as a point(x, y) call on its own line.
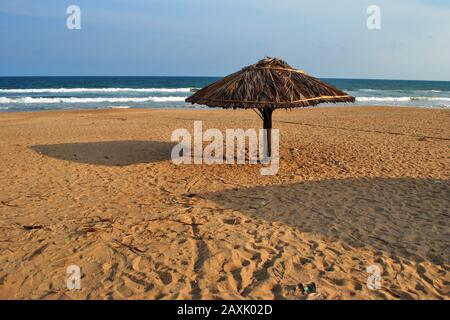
point(267, 125)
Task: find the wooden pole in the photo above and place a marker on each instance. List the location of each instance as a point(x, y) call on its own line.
point(267, 125)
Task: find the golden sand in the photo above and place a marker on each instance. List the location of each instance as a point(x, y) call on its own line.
point(357, 186)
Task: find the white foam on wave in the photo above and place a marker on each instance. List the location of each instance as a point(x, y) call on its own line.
point(383, 99)
point(42, 100)
point(119, 107)
point(400, 99)
point(88, 90)
point(365, 90)
point(386, 92)
point(431, 98)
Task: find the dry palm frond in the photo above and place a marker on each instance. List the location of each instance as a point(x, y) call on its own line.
point(271, 83)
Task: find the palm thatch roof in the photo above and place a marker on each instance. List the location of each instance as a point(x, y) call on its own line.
point(271, 83)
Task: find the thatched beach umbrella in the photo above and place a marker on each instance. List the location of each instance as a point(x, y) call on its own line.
point(265, 86)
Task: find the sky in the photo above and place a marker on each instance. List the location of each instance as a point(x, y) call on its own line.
point(326, 38)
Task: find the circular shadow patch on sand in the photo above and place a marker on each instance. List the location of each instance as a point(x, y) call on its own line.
point(109, 153)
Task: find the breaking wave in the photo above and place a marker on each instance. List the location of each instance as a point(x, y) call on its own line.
point(400, 99)
point(94, 90)
point(43, 100)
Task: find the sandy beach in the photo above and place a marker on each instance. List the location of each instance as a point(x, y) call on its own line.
point(357, 186)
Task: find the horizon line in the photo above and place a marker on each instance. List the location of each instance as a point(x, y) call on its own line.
point(185, 76)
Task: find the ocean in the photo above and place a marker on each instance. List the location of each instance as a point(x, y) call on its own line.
point(51, 93)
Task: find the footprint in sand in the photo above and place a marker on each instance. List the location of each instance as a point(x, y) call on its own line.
point(165, 277)
point(232, 221)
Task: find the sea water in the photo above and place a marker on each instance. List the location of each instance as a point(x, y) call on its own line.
point(51, 93)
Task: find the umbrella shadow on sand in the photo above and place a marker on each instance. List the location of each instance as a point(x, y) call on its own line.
point(402, 217)
point(109, 153)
